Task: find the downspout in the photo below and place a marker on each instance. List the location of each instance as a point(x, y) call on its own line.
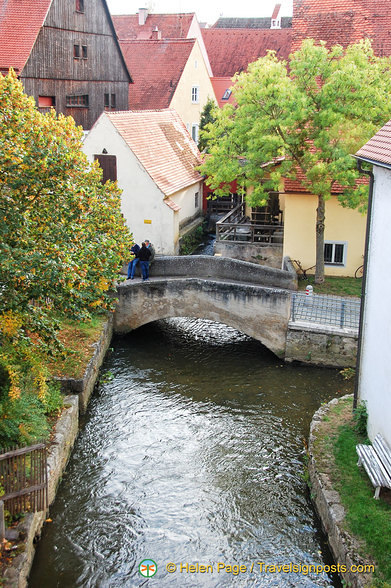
point(364, 279)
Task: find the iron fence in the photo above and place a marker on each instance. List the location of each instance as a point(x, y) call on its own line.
point(23, 478)
point(334, 311)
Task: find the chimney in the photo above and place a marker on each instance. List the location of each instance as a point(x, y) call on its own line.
point(276, 18)
point(156, 34)
point(142, 16)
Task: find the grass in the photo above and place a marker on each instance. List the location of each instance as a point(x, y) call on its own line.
point(334, 285)
point(79, 339)
point(369, 520)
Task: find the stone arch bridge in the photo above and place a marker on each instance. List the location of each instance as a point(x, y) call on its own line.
point(252, 298)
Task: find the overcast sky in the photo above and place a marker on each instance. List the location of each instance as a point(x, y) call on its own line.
point(206, 10)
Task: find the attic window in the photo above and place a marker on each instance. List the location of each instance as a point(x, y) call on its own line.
point(110, 102)
point(80, 51)
point(227, 94)
point(79, 5)
point(195, 91)
point(80, 101)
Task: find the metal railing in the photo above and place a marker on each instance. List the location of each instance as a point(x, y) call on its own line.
point(334, 311)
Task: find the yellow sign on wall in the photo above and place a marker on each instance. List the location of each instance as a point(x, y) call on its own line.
point(147, 221)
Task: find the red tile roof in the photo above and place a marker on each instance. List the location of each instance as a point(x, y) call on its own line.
point(172, 26)
point(378, 149)
point(220, 87)
point(343, 22)
point(231, 50)
point(20, 23)
point(156, 68)
point(161, 143)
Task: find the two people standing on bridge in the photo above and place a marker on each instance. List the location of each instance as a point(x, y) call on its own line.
point(143, 255)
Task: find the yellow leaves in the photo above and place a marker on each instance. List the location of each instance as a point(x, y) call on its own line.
point(42, 388)
point(14, 391)
point(10, 323)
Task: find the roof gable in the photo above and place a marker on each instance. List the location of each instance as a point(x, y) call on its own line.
point(160, 141)
point(156, 68)
point(231, 50)
point(20, 23)
point(378, 149)
point(172, 26)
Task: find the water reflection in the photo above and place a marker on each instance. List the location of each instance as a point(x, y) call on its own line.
point(191, 453)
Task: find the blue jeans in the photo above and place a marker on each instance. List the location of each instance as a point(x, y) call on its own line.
point(132, 267)
point(144, 265)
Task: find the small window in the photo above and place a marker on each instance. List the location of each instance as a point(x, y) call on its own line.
point(84, 51)
point(227, 94)
point(196, 200)
point(195, 98)
point(79, 5)
point(334, 253)
point(46, 101)
point(110, 102)
point(76, 51)
point(194, 133)
point(77, 101)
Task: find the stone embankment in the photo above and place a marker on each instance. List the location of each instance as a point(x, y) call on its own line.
point(344, 547)
point(63, 438)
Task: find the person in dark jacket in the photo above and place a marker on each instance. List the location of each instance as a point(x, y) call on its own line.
point(144, 256)
point(132, 264)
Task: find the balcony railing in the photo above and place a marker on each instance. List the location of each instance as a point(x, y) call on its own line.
point(267, 229)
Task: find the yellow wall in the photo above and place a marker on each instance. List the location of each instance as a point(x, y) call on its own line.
point(194, 74)
point(341, 224)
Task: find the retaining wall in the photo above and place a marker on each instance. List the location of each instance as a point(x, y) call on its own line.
point(321, 346)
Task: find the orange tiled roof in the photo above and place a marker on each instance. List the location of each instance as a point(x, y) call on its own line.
point(20, 23)
point(172, 26)
point(231, 50)
point(343, 22)
point(156, 68)
point(161, 143)
point(378, 149)
point(221, 88)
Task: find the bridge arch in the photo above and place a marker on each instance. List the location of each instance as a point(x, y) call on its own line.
point(258, 311)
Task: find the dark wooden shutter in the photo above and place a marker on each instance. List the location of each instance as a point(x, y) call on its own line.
point(108, 164)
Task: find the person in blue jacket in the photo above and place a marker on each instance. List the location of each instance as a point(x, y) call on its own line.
point(132, 264)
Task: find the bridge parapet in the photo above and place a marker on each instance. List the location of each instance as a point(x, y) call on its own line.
point(222, 268)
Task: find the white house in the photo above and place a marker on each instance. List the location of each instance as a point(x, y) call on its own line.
point(374, 361)
point(153, 158)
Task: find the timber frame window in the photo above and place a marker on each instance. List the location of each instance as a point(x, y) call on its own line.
point(80, 101)
point(335, 252)
point(79, 6)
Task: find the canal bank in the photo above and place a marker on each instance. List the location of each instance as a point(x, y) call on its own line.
point(262, 381)
point(348, 551)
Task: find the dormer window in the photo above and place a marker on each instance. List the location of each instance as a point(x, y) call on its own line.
point(79, 5)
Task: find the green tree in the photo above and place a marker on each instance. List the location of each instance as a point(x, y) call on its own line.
point(62, 236)
point(314, 111)
point(208, 115)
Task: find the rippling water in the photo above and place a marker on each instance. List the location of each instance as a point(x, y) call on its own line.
point(191, 452)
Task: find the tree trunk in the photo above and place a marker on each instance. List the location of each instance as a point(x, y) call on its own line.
point(320, 217)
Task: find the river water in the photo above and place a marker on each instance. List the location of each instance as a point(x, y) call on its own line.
point(191, 453)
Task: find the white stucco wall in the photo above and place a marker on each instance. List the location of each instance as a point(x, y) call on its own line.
point(186, 200)
point(196, 33)
point(375, 369)
point(141, 199)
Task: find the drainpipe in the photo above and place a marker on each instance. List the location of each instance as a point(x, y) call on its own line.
point(364, 278)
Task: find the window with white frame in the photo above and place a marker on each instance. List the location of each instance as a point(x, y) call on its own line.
point(335, 252)
point(195, 94)
point(194, 132)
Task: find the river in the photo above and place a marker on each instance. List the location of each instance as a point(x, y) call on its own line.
point(191, 452)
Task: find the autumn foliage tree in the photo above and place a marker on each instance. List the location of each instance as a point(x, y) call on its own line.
point(62, 236)
point(314, 111)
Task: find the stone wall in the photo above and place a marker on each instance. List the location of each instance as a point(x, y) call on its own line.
point(260, 254)
point(320, 346)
